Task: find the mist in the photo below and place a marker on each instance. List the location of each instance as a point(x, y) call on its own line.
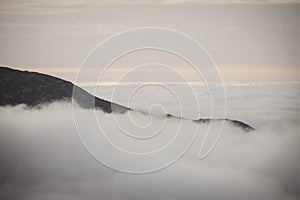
point(42, 156)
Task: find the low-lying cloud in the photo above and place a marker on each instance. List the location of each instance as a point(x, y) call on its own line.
point(43, 158)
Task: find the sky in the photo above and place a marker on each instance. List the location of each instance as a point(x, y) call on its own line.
point(250, 41)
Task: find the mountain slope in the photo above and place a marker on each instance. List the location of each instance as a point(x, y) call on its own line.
point(34, 89)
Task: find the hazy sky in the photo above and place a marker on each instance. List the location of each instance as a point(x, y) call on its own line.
point(249, 40)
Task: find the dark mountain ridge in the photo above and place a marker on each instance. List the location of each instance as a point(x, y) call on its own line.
point(35, 89)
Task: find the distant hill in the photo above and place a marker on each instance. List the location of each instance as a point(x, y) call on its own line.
point(35, 89)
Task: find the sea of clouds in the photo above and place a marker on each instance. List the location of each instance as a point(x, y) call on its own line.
point(42, 156)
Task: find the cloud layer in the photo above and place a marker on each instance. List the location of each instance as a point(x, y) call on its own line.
point(42, 158)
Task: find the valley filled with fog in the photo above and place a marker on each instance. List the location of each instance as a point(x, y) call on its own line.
point(42, 156)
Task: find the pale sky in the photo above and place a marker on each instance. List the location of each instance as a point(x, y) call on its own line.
point(248, 40)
